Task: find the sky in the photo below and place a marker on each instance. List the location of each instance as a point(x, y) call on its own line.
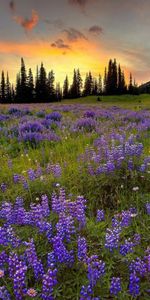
point(68, 34)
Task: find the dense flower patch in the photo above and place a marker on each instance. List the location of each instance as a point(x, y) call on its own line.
point(53, 243)
point(68, 248)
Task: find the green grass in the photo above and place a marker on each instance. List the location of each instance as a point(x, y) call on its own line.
point(123, 101)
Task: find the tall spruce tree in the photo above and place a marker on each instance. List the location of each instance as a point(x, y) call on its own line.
point(30, 86)
point(66, 88)
point(3, 87)
point(99, 85)
point(51, 87)
point(8, 90)
point(130, 87)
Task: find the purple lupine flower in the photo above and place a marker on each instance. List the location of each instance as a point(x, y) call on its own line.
point(19, 280)
point(3, 187)
point(82, 249)
point(148, 208)
point(65, 227)
point(51, 261)
point(31, 174)
point(13, 261)
point(112, 238)
point(33, 261)
point(138, 266)
point(134, 288)
point(58, 203)
point(86, 292)
point(3, 259)
point(147, 258)
point(96, 269)
point(45, 205)
point(4, 294)
point(16, 178)
point(61, 253)
point(115, 286)
point(100, 215)
point(49, 281)
point(127, 247)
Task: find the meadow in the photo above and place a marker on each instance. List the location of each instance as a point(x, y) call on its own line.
point(75, 199)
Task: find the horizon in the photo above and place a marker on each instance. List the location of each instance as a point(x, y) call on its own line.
point(73, 34)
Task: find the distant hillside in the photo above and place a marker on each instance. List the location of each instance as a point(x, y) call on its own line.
point(145, 87)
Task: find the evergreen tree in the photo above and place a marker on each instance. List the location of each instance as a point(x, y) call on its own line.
point(42, 89)
point(105, 81)
point(58, 92)
point(51, 88)
point(109, 81)
point(3, 87)
point(74, 87)
point(119, 80)
point(79, 83)
point(66, 88)
point(30, 85)
point(8, 90)
point(99, 85)
point(130, 87)
point(23, 83)
point(18, 88)
point(95, 87)
point(114, 78)
point(88, 85)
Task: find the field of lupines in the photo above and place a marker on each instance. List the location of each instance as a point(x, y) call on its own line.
point(74, 202)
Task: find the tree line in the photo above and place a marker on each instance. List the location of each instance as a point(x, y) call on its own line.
point(42, 88)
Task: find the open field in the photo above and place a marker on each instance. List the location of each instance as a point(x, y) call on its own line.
point(75, 199)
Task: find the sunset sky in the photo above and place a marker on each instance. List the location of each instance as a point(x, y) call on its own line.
point(68, 34)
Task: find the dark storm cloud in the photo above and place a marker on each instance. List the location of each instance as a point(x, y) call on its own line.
point(12, 6)
point(96, 30)
point(60, 45)
point(73, 35)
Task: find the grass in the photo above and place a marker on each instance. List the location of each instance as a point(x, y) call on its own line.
point(112, 192)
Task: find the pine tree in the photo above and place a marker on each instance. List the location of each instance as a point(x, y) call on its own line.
point(51, 80)
point(105, 81)
point(66, 88)
point(23, 83)
point(18, 88)
point(95, 87)
point(58, 92)
point(8, 90)
point(79, 83)
point(130, 87)
point(30, 85)
point(74, 87)
point(99, 85)
point(114, 78)
point(42, 89)
point(119, 80)
point(3, 87)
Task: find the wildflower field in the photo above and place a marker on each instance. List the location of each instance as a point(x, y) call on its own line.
point(75, 201)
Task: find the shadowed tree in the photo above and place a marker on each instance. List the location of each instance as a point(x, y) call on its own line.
point(51, 87)
point(3, 87)
point(66, 88)
point(8, 90)
point(30, 86)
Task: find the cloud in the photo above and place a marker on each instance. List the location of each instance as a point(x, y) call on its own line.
point(28, 24)
point(80, 3)
point(73, 35)
point(96, 30)
point(60, 44)
point(12, 6)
